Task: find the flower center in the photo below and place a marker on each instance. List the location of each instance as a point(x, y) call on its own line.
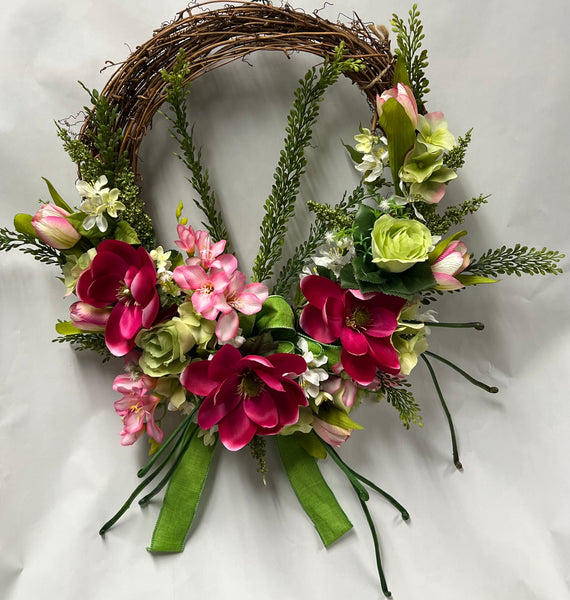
point(124, 295)
point(358, 320)
point(207, 288)
point(250, 385)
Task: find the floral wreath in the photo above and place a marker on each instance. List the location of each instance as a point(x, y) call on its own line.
point(347, 317)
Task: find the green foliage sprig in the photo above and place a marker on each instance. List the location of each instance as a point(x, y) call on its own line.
point(455, 158)
point(409, 39)
point(516, 261)
point(304, 252)
point(28, 244)
point(453, 215)
point(106, 139)
point(176, 96)
point(280, 205)
point(87, 341)
point(397, 393)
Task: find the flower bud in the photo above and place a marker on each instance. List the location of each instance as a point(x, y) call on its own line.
point(53, 228)
point(405, 97)
point(88, 318)
point(449, 263)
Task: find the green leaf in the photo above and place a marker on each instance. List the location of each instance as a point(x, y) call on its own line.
point(400, 133)
point(67, 328)
point(246, 323)
point(23, 224)
point(311, 444)
point(338, 418)
point(125, 233)
point(442, 245)
point(57, 199)
point(93, 234)
point(363, 222)
point(286, 347)
point(474, 279)
point(354, 154)
point(401, 73)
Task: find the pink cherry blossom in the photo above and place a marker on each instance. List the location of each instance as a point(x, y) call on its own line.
point(364, 323)
point(246, 395)
point(125, 278)
point(209, 289)
point(246, 299)
point(136, 408)
point(209, 253)
point(449, 263)
point(187, 241)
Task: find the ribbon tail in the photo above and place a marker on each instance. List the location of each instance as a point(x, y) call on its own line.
point(182, 498)
point(312, 491)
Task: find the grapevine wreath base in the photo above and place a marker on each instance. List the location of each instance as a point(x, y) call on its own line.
point(289, 355)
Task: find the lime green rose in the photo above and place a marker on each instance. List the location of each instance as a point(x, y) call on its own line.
point(165, 347)
point(398, 244)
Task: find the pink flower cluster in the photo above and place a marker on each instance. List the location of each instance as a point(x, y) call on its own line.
point(136, 408)
point(218, 289)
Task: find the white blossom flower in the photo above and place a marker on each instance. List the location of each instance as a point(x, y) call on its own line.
point(98, 199)
point(373, 163)
point(161, 257)
point(335, 257)
point(311, 379)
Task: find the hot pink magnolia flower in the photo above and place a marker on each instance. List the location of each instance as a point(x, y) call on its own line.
point(449, 263)
point(363, 322)
point(136, 408)
point(53, 228)
point(246, 395)
point(246, 299)
point(125, 278)
point(405, 97)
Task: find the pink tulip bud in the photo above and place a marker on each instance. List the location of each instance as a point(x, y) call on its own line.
point(53, 228)
point(343, 392)
point(88, 318)
point(405, 97)
point(449, 263)
point(331, 434)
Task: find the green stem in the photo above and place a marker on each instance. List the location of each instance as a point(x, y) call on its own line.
point(383, 583)
point(405, 514)
point(138, 490)
point(186, 439)
point(456, 460)
point(359, 488)
point(480, 384)
point(142, 472)
point(471, 325)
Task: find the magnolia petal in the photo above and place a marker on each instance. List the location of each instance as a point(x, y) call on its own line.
point(195, 378)
point(317, 290)
point(224, 363)
point(361, 368)
point(236, 430)
point(311, 321)
point(262, 410)
point(354, 341)
point(385, 355)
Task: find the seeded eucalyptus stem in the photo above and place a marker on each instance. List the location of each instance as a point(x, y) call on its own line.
point(488, 388)
point(456, 460)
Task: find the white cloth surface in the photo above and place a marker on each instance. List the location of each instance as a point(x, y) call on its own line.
point(500, 530)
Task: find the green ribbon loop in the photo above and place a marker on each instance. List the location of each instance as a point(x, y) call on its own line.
point(312, 491)
point(182, 498)
point(276, 313)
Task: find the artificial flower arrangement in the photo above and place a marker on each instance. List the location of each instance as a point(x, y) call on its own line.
point(347, 319)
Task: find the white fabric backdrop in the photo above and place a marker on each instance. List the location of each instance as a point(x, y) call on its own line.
point(500, 529)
